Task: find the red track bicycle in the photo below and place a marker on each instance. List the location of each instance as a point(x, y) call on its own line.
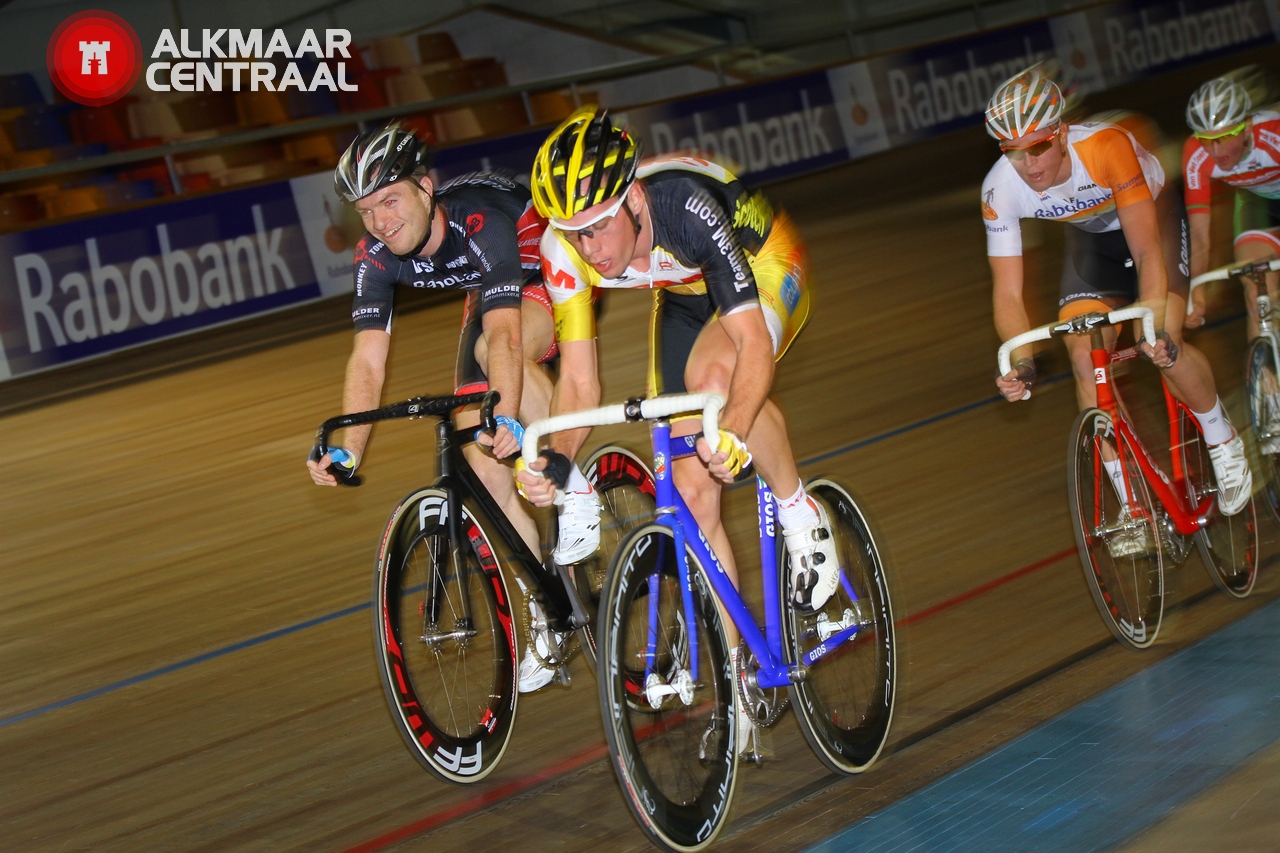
point(1129, 516)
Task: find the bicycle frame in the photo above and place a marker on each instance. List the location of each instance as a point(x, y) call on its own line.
point(1186, 518)
point(674, 514)
point(563, 609)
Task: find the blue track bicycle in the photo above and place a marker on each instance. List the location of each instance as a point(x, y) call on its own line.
point(668, 690)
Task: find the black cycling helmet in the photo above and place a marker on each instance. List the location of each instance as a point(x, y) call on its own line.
point(377, 158)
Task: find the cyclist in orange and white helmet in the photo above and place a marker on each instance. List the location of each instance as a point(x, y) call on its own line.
point(1128, 243)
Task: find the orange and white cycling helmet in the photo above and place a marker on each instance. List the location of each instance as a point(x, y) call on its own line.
point(1218, 107)
point(1025, 103)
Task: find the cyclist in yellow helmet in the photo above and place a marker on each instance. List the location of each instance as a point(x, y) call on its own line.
point(728, 274)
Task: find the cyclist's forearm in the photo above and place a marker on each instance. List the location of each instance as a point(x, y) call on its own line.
point(361, 391)
point(506, 371)
point(1199, 225)
point(573, 395)
point(1008, 308)
point(1153, 283)
point(748, 388)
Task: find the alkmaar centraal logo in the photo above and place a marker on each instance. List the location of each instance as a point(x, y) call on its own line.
point(94, 57)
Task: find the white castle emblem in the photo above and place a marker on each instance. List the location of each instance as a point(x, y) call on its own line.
point(94, 53)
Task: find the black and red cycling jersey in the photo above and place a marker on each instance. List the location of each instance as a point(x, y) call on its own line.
point(491, 243)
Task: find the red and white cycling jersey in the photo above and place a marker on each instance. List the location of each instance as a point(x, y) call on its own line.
point(1258, 171)
point(1109, 170)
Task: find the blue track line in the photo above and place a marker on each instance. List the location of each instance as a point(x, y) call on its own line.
point(183, 664)
point(319, 620)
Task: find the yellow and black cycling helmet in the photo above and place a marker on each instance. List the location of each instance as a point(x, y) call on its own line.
point(586, 160)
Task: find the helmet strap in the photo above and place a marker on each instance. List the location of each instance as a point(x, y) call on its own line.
point(431, 221)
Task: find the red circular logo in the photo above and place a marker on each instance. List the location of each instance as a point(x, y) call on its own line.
point(94, 57)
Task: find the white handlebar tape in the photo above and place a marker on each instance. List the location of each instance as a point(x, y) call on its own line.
point(658, 407)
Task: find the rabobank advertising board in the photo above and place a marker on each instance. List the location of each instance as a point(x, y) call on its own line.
point(82, 289)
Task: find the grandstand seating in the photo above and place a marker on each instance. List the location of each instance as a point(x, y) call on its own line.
point(389, 71)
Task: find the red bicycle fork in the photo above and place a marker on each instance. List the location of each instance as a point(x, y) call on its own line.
point(1186, 518)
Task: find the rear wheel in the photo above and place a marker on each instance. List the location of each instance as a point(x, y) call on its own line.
point(845, 705)
point(1118, 539)
point(444, 640)
point(672, 737)
point(626, 490)
point(1263, 388)
point(1228, 544)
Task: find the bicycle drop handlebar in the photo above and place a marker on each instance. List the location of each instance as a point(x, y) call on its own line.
point(620, 413)
point(1078, 325)
point(1230, 271)
point(414, 407)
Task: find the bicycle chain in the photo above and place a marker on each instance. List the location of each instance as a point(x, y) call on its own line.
point(547, 663)
point(745, 659)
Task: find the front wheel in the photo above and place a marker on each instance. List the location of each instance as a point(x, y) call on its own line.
point(845, 705)
point(1263, 388)
point(443, 635)
point(666, 693)
point(626, 489)
point(1114, 520)
point(1228, 544)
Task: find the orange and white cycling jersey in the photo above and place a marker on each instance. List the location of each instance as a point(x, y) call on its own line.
point(1258, 171)
point(1109, 171)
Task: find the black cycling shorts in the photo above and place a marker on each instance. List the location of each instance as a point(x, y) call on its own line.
point(1099, 265)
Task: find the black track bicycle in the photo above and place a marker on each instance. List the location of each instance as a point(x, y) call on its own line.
point(444, 625)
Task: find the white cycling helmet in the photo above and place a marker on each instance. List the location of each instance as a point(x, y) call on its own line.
point(1218, 106)
point(1026, 102)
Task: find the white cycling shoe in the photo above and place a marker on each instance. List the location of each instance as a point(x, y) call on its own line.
point(533, 675)
point(579, 526)
point(815, 569)
point(1231, 469)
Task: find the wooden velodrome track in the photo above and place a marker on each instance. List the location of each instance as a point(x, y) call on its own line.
point(184, 633)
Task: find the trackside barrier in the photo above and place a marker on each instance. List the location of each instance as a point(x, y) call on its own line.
point(95, 286)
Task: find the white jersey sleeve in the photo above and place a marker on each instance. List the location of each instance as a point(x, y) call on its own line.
point(1001, 211)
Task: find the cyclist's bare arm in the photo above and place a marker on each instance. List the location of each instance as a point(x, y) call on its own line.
point(752, 370)
point(1199, 224)
point(1142, 234)
point(361, 391)
point(505, 370)
point(1011, 319)
point(577, 389)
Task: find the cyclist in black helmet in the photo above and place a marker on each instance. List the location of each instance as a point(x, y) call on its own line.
point(477, 233)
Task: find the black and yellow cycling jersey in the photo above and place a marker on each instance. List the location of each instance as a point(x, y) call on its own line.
point(717, 248)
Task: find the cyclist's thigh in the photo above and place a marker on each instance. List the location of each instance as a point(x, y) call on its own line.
point(537, 324)
point(1258, 245)
point(675, 327)
point(1096, 266)
point(468, 378)
point(1175, 241)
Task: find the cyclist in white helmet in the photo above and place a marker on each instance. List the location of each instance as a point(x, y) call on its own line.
point(1127, 244)
point(1240, 146)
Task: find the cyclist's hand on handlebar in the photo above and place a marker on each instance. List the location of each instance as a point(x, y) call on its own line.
point(505, 442)
point(501, 444)
point(729, 458)
point(1195, 319)
point(1164, 353)
point(319, 468)
point(1016, 384)
point(538, 482)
